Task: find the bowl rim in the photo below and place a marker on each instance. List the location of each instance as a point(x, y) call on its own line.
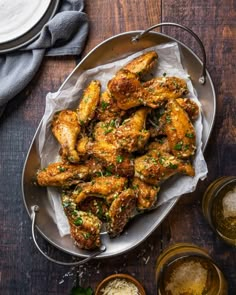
point(120, 276)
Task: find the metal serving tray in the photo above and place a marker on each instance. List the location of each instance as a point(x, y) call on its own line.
point(143, 225)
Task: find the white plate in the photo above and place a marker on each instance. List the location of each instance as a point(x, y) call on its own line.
point(19, 16)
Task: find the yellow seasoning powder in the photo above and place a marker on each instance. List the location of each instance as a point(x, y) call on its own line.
point(120, 287)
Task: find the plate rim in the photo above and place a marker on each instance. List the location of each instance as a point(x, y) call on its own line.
point(32, 33)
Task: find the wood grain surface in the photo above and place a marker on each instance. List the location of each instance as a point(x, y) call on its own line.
point(22, 269)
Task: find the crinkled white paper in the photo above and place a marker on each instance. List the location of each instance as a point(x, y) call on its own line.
point(168, 62)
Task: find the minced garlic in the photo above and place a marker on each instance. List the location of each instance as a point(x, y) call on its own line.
point(120, 287)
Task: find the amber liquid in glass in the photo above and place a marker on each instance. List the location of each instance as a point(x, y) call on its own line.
point(223, 213)
point(191, 275)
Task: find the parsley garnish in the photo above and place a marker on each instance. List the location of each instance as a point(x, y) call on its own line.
point(119, 159)
point(178, 146)
point(104, 105)
point(78, 221)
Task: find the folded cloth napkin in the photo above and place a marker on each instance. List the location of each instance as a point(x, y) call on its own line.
point(64, 34)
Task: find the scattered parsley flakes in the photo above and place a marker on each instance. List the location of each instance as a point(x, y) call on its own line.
point(78, 221)
point(178, 146)
point(119, 159)
point(104, 105)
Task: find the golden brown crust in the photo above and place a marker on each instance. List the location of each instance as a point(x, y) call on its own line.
point(62, 174)
point(120, 211)
point(66, 129)
point(146, 194)
point(89, 101)
point(142, 64)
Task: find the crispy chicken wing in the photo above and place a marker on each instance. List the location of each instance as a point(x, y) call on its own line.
point(66, 129)
point(108, 108)
point(147, 194)
point(62, 174)
point(85, 229)
point(190, 107)
point(97, 206)
point(131, 135)
point(106, 187)
point(162, 89)
point(117, 162)
point(89, 102)
point(81, 146)
point(104, 131)
point(126, 88)
point(179, 130)
point(142, 64)
point(154, 167)
point(120, 211)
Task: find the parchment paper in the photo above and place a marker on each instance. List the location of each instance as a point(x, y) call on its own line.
point(169, 62)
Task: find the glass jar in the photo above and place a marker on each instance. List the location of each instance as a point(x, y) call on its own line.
point(219, 207)
point(187, 269)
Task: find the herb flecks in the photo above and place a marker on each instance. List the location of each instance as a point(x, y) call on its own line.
point(119, 159)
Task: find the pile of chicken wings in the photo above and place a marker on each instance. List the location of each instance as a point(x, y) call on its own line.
point(119, 146)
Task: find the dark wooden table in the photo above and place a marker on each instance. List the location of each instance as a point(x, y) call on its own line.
point(23, 270)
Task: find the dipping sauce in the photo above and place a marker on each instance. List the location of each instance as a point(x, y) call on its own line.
point(219, 208)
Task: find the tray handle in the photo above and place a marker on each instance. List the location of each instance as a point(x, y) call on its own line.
point(202, 78)
point(35, 210)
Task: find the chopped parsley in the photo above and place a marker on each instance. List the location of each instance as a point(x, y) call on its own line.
point(190, 135)
point(168, 119)
point(78, 221)
point(104, 105)
point(178, 146)
point(61, 169)
point(119, 159)
point(173, 166)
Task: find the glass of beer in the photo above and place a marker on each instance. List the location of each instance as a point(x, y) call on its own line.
point(186, 269)
point(219, 207)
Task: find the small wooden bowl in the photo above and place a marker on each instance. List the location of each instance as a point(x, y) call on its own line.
point(127, 277)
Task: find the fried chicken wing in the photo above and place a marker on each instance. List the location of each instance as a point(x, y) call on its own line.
point(154, 167)
point(179, 130)
point(85, 229)
point(89, 102)
point(108, 108)
point(62, 174)
point(190, 107)
point(120, 212)
point(106, 187)
point(97, 206)
point(126, 88)
point(131, 135)
point(118, 162)
point(162, 89)
point(81, 145)
point(104, 131)
point(146, 194)
point(161, 145)
point(66, 129)
point(142, 64)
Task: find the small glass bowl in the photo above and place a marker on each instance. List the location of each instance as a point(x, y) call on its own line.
point(219, 207)
point(188, 269)
point(126, 277)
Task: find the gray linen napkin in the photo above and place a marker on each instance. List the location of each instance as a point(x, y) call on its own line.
point(64, 34)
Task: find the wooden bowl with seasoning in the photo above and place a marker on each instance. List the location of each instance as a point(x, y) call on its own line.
point(121, 284)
